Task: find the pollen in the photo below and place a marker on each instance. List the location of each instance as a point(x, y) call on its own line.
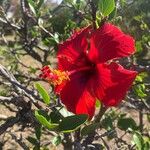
point(54, 76)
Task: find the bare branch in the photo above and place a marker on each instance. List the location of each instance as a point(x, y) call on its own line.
point(9, 24)
point(9, 123)
point(19, 141)
point(29, 93)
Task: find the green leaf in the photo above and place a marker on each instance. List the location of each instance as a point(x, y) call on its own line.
point(107, 123)
point(40, 4)
point(43, 93)
point(147, 145)
point(32, 6)
point(126, 123)
point(139, 90)
point(106, 6)
point(45, 122)
point(98, 103)
point(55, 116)
point(122, 2)
point(139, 46)
point(38, 131)
point(72, 123)
point(56, 140)
point(32, 140)
point(138, 140)
point(64, 112)
point(89, 129)
point(113, 14)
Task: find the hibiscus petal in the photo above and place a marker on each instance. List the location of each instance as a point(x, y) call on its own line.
point(109, 42)
point(71, 54)
point(111, 83)
point(76, 96)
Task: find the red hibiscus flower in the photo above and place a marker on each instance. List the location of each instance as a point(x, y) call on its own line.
point(85, 62)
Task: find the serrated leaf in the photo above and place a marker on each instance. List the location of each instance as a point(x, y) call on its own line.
point(71, 123)
point(126, 123)
point(45, 122)
point(43, 93)
point(89, 129)
point(106, 6)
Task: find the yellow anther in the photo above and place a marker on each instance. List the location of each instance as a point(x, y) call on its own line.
point(61, 76)
point(54, 76)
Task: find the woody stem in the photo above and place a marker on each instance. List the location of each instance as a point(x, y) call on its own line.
point(100, 114)
point(93, 13)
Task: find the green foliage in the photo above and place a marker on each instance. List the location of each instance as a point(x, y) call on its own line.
point(86, 130)
point(38, 132)
point(140, 88)
point(55, 116)
point(106, 6)
point(46, 123)
point(32, 140)
point(71, 123)
point(43, 93)
point(53, 122)
point(59, 22)
point(56, 140)
point(141, 142)
point(139, 46)
point(35, 6)
point(98, 103)
point(108, 120)
point(32, 6)
point(126, 123)
point(107, 123)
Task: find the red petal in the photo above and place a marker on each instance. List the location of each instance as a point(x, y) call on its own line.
point(76, 97)
point(111, 83)
point(71, 54)
point(109, 42)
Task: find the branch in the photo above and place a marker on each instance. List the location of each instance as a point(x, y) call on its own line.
point(9, 123)
point(3, 117)
point(140, 68)
point(6, 21)
point(93, 13)
point(29, 93)
point(19, 141)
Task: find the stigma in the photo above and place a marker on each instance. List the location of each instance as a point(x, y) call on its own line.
point(54, 76)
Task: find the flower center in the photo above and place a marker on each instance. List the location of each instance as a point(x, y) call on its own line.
point(54, 76)
point(57, 77)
